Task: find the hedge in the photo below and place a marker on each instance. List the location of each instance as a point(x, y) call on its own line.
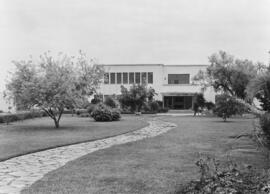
point(11, 117)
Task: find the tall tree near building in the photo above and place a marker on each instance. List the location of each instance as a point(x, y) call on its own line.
point(232, 77)
point(53, 84)
point(227, 74)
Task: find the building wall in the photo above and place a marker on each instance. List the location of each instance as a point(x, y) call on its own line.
point(160, 79)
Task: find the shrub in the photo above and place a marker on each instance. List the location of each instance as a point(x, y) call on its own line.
point(154, 106)
point(103, 112)
point(226, 178)
point(160, 103)
point(146, 107)
point(7, 118)
point(265, 124)
point(226, 106)
point(68, 111)
point(84, 115)
point(90, 108)
point(163, 110)
point(126, 110)
point(81, 111)
point(116, 115)
point(209, 105)
point(96, 100)
point(109, 101)
point(1, 111)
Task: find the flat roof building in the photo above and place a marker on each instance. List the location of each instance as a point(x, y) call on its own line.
point(172, 83)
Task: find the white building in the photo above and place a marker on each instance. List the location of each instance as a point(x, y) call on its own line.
point(172, 83)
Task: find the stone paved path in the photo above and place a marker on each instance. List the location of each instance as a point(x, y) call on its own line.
point(20, 172)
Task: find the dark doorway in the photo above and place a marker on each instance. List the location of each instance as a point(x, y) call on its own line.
point(178, 102)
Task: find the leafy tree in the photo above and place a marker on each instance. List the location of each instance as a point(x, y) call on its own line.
point(259, 87)
point(53, 84)
point(199, 103)
point(136, 96)
point(227, 75)
point(226, 106)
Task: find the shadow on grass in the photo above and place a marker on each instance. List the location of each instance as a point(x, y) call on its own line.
point(221, 121)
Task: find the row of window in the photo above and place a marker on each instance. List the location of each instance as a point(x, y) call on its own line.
point(178, 78)
point(128, 78)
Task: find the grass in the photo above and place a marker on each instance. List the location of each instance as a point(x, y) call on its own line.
point(38, 134)
point(157, 165)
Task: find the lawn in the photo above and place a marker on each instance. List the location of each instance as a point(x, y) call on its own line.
point(38, 134)
point(157, 165)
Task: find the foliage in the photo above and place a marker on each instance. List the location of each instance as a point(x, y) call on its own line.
point(20, 116)
point(200, 100)
point(259, 87)
point(226, 106)
point(103, 112)
point(1, 111)
point(160, 103)
point(209, 105)
point(163, 110)
point(154, 106)
point(90, 108)
point(109, 101)
point(136, 96)
point(81, 111)
point(96, 100)
point(116, 115)
point(198, 103)
point(53, 84)
point(265, 124)
point(228, 75)
point(229, 179)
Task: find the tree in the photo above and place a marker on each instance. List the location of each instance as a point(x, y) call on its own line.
point(53, 84)
point(226, 106)
point(136, 96)
point(199, 103)
point(259, 87)
point(227, 75)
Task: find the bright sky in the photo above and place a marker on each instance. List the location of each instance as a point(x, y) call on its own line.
point(134, 31)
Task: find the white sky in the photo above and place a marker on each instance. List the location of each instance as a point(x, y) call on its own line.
point(134, 31)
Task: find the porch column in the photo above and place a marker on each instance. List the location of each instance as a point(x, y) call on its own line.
point(163, 101)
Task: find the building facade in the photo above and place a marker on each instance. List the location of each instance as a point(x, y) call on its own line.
point(172, 83)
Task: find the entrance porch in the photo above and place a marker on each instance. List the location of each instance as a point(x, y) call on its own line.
point(178, 101)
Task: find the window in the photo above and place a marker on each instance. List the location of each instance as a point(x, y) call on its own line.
point(137, 77)
point(144, 76)
point(131, 78)
point(119, 78)
point(112, 76)
point(125, 78)
point(178, 78)
point(106, 78)
point(150, 77)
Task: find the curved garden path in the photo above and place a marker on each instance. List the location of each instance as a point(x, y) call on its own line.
point(20, 172)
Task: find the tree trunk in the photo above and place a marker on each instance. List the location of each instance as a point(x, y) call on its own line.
point(56, 123)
